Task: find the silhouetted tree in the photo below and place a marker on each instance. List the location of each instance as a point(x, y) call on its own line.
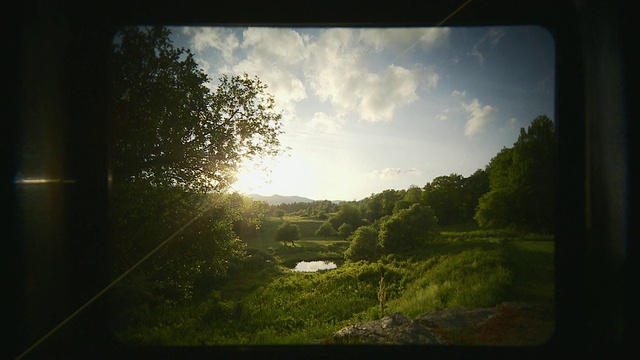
point(364, 244)
point(408, 230)
point(175, 143)
point(326, 229)
point(287, 232)
point(522, 181)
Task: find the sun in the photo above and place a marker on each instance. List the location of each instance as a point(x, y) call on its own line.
point(281, 175)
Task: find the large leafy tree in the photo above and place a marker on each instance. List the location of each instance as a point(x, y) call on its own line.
point(348, 213)
point(364, 244)
point(473, 187)
point(170, 129)
point(408, 230)
point(522, 181)
point(177, 138)
point(445, 196)
point(287, 232)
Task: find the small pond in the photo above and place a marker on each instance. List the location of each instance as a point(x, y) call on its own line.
point(312, 266)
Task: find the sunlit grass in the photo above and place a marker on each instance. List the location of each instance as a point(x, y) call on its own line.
point(268, 303)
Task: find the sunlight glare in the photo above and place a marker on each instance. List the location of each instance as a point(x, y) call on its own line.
point(274, 176)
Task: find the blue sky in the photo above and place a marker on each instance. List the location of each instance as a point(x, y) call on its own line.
point(366, 110)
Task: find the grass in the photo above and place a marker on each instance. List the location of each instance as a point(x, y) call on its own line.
point(265, 303)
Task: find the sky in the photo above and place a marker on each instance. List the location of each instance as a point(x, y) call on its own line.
point(370, 109)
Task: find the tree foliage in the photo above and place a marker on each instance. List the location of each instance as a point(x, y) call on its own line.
point(287, 232)
point(345, 230)
point(364, 244)
point(326, 229)
point(445, 196)
point(522, 181)
point(408, 230)
point(175, 147)
point(348, 213)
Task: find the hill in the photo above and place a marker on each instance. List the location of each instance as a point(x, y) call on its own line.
point(279, 199)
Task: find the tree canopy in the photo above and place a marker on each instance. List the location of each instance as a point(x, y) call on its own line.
point(287, 232)
point(177, 139)
point(522, 181)
point(170, 129)
point(408, 230)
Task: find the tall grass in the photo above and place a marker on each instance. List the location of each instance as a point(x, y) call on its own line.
point(266, 303)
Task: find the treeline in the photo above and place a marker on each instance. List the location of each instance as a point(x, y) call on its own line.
point(515, 190)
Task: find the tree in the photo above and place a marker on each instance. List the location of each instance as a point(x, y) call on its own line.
point(287, 232)
point(473, 187)
point(522, 181)
point(364, 244)
point(278, 213)
point(345, 230)
point(445, 196)
point(171, 130)
point(348, 213)
point(326, 229)
point(176, 142)
point(408, 230)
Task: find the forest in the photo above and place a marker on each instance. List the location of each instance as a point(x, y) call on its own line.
point(222, 264)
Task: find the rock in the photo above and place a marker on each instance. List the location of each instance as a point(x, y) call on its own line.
point(393, 329)
point(508, 324)
point(456, 318)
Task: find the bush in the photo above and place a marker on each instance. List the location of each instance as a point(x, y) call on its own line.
point(408, 230)
point(364, 244)
point(287, 232)
point(345, 230)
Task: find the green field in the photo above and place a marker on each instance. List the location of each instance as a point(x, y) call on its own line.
point(263, 302)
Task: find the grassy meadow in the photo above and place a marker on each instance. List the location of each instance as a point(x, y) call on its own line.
point(262, 301)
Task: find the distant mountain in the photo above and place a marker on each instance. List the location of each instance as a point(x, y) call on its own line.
point(279, 199)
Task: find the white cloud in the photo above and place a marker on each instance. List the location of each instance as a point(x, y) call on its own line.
point(386, 174)
point(382, 94)
point(444, 115)
point(479, 117)
point(403, 39)
point(457, 93)
point(276, 44)
point(413, 171)
point(222, 39)
point(338, 75)
point(323, 122)
point(275, 56)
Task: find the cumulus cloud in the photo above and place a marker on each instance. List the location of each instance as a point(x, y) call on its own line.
point(277, 44)
point(332, 64)
point(274, 55)
point(386, 174)
point(222, 39)
point(323, 122)
point(338, 76)
point(479, 117)
point(413, 171)
point(403, 39)
point(457, 93)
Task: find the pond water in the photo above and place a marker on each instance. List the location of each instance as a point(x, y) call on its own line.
point(311, 266)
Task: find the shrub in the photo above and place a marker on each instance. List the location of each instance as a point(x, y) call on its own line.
point(408, 230)
point(364, 244)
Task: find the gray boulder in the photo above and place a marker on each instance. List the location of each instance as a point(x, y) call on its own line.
point(393, 329)
point(456, 318)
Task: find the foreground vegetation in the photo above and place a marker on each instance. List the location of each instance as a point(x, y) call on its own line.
point(261, 301)
point(220, 270)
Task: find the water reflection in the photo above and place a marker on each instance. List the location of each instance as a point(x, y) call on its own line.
point(311, 266)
